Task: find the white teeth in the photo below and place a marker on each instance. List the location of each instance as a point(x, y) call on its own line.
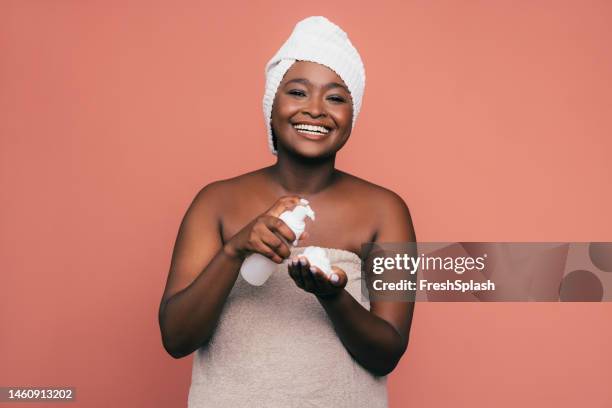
point(310, 132)
point(310, 129)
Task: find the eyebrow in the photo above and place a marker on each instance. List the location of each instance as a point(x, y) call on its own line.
point(328, 86)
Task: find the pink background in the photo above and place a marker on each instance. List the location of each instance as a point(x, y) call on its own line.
point(491, 119)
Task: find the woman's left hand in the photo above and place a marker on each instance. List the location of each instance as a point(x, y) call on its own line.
point(314, 280)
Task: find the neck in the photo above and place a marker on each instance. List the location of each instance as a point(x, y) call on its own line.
point(303, 176)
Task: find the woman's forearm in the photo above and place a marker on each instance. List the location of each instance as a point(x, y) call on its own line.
point(188, 318)
point(372, 341)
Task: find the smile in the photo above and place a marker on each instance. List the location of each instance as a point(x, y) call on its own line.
point(312, 130)
point(318, 130)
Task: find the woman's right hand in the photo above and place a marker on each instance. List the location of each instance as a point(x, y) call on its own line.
point(266, 234)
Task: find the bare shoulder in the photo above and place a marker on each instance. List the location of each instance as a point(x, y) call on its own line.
point(233, 202)
point(387, 206)
point(380, 198)
point(219, 192)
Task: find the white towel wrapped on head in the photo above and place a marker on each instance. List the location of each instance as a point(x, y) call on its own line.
point(315, 39)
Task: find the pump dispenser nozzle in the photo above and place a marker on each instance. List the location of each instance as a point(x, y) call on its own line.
point(295, 218)
point(256, 268)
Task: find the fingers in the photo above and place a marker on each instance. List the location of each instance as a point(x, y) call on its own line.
point(283, 204)
point(309, 282)
point(321, 280)
point(301, 274)
point(265, 250)
point(265, 239)
point(267, 234)
point(312, 279)
point(332, 283)
point(338, 277)
point(295, 272)
point(276, 243)
point(278, 226)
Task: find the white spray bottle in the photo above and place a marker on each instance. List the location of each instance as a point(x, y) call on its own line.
point(256, 268)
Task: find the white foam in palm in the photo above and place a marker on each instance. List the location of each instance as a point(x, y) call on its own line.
point(317, 257)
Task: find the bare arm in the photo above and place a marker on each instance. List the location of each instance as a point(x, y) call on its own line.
point(378, 338)
point(201, 276)
point(203, 270)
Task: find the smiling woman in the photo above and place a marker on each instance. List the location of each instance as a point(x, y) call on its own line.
point(305, 337)
point(318, 109)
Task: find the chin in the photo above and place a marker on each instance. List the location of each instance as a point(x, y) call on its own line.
point(314, 153)
point(312, 149)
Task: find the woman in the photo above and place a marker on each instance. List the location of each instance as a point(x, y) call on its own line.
point(303, 338)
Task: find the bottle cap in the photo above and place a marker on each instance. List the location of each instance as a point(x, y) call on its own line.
point(295, 218)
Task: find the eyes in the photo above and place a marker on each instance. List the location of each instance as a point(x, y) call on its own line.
point(300, 94)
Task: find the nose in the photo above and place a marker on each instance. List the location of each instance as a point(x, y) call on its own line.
point(314, 107)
